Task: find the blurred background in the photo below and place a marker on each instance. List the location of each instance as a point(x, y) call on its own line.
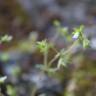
point(28, 21)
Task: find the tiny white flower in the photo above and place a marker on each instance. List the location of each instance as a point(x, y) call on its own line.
point(2, 79)
point(9, 38)
point(76, 35)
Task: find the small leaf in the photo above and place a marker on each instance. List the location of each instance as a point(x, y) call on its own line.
point(63, 31)
point(43, 45)
point(85, 43)
point(56, 23)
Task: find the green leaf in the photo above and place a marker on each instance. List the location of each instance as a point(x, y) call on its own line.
point(4, 57)
point(63, 31)
point(85, 43)
point(56, 23)
point(11, 91)
point(43, 45)
point(61, 62)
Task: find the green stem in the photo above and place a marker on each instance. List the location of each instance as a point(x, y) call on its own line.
point(45, 58)
point(67, 51)
point(54, 59)
point(71, 47)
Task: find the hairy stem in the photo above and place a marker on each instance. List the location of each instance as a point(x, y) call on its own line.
point(66, 52)
point(46, 58)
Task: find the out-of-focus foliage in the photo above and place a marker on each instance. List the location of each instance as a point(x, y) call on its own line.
point(29, 21)
point(5, 38)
